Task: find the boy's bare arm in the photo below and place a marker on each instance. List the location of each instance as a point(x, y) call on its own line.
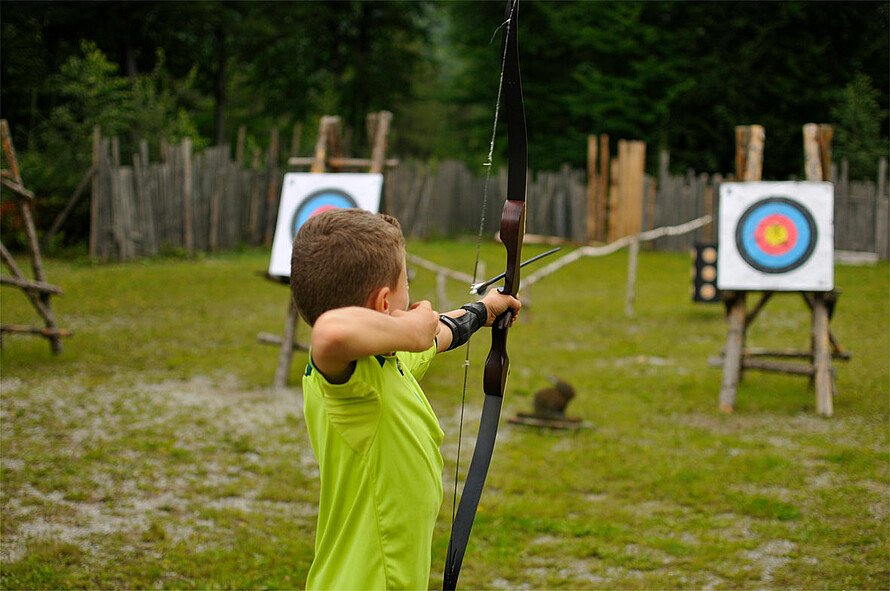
point(343, 335)
point(496, 304)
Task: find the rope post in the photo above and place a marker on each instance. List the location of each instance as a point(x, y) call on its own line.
point(441, 295)
point(632, 264)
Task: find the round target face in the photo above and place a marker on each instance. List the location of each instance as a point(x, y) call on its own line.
point(317, 202)
point(776, 235)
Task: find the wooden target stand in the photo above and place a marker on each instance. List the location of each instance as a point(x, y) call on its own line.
point(328, 157)
point(37, 290)
point(823, 345)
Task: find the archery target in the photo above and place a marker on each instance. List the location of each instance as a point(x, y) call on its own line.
point(317, 202)
point(304, 195)
point(776, 236)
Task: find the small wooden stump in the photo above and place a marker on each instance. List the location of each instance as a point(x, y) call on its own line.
point(559, 423)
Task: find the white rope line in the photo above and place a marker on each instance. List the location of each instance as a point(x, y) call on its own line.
point(439, 269)
point(598, 251)
point(591, 251)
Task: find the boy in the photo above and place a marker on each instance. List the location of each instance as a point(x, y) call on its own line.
point(373, 432)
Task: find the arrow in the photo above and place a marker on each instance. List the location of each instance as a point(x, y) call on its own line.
point(480, 288)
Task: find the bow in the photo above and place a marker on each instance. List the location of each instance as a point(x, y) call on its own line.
point(512, 231)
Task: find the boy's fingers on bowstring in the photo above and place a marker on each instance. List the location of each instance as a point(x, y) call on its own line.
point(423, 310)
point(421, 304)
point(424, 307)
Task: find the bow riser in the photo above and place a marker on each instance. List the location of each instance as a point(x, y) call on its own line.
point(497, 366)
point(512, 233)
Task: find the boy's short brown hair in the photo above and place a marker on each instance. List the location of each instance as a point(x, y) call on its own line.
point(341, 256)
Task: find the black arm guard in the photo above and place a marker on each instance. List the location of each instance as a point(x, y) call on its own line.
point(463, 327)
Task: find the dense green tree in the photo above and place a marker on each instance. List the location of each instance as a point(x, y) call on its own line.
point(779, 64)
point(857, 118)
point(306, 59)
point(91, 91)
point(679, 75)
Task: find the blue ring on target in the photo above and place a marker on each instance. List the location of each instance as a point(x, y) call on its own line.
point(320, 201)
point(790, 211)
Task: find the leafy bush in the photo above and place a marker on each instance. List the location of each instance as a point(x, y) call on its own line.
point(90, 92)
point(858, 118)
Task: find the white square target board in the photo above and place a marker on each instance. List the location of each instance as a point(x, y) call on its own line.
point(776, 236)
point(306, 194)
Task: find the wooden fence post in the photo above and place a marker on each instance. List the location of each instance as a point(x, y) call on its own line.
point(812, 152)
point(882, 213)
point(94, 197)
point(628, 215)
point(613, 200)
point(826, 132)
point(272, 188)
point(253, 221)
point(754, 154)
point(603, 187)
point(188, 236)
point(592, 185)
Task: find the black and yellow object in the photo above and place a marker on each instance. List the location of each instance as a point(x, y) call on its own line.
point(704, 277)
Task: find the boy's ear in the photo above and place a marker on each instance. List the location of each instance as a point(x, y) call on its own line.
point(379, 299)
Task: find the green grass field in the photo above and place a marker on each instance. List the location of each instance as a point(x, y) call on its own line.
point(153, 453)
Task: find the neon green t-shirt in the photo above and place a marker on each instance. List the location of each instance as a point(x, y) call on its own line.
point(376, 440)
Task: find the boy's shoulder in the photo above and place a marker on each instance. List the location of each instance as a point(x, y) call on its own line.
point(364, 371)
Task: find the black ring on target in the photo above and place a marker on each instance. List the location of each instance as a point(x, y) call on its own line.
point(319, 201)
point(776, 235)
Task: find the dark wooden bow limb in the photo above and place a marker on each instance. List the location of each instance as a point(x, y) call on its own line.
point(498, 363)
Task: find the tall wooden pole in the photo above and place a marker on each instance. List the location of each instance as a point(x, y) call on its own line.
point(603, 188)
point(592, 184)
point(754, 154)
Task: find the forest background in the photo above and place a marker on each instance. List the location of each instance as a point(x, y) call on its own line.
point(678, 75)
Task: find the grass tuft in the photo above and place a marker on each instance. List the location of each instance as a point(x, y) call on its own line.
point(153, 452)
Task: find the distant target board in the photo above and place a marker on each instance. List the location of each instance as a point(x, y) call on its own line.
point(304, 195)
point(776, 236)
point(704, 274)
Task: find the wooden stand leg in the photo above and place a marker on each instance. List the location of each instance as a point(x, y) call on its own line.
point(735, 344)
point(287, 347)
point(822, 357)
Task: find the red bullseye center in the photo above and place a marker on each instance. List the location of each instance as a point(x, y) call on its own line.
point(776, 234)
point(322, 208)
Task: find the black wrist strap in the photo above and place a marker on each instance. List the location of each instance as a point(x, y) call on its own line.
point(480, 311)
point(463, 327)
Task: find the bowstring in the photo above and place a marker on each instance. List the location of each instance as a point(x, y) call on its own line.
point(488, 164)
